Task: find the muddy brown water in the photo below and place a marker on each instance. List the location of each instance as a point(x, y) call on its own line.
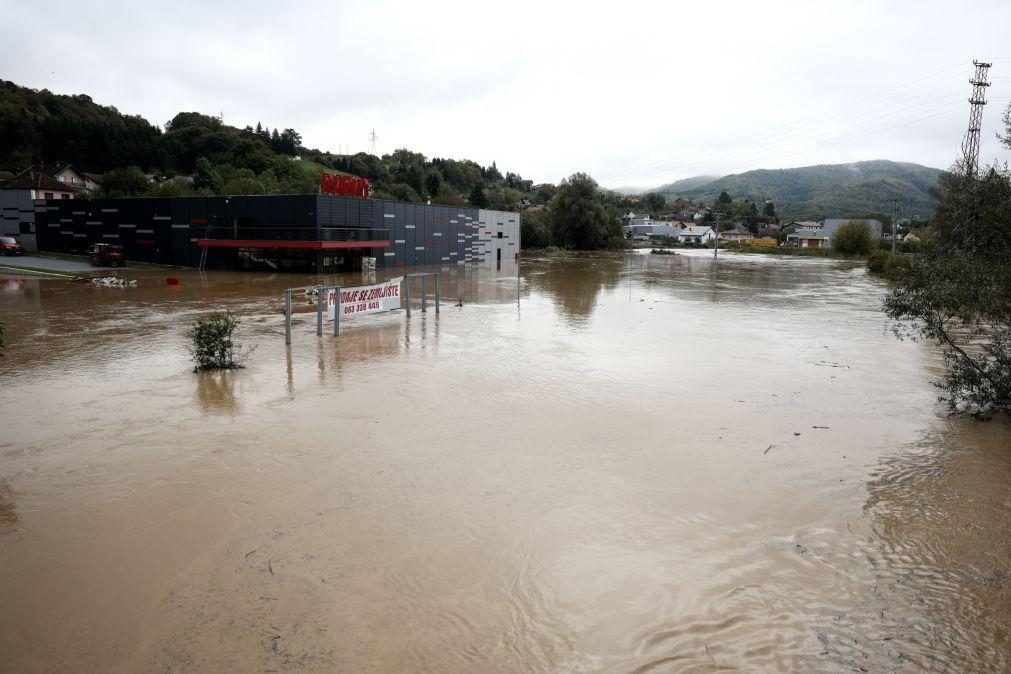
point(632, 464)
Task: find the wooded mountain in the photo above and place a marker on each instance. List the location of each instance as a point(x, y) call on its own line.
point(40, 127)
point(825, 191)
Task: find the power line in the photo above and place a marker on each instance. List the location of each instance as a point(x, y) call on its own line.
point(823, 129)
point(970, 145)
point(928, 92)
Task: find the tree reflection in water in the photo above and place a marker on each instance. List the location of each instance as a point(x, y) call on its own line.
point(216, 391)
point(572, 283)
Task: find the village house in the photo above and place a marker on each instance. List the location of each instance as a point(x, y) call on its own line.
point(736, 236)
point(40, 185)
point(808, 238)
point(696, 234)
point(70, 176)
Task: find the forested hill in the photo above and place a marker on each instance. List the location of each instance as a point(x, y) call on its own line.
point(830, 190)
point(39, 127)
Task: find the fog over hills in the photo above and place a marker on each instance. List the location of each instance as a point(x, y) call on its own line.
point(827, 190)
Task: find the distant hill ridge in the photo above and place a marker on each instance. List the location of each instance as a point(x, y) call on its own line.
point(826, 190)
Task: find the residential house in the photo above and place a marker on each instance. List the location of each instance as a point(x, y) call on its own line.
point(805, 237)
point(39, 184)
point(696, 234)
point(69, 175)
point(736, 236)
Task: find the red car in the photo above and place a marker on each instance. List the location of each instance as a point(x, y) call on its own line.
point(11, 246)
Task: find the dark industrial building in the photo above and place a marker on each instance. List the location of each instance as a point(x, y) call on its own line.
point(302, 232)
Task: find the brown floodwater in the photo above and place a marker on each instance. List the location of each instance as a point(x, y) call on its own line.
point(617, 464)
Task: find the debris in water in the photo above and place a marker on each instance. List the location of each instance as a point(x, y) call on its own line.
point(109, 281)
point(767, 449)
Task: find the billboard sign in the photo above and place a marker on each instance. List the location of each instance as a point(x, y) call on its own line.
point(360, 300)
point(348, 186)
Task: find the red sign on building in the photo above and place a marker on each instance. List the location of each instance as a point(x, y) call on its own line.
point(348, 186)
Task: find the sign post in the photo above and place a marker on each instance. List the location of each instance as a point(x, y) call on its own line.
point(320, 290)
point(336, 292)
point(287, 316)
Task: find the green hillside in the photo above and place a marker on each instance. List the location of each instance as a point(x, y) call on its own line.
point(825, 191)
point(211, 157)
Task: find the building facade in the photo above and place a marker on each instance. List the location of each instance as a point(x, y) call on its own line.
point(302, 232)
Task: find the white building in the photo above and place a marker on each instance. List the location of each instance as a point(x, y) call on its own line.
point(696, 235)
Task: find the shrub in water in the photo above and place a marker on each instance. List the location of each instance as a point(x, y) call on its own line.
point(213, 348)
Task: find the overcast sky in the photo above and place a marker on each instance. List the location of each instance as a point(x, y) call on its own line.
point(631, 93)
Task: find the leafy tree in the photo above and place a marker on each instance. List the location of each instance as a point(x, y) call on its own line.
point(206, 177)
point(769, 210)
point(478, 199)
point(653, 203)
point(125, 182)
point(580, 216)
point(535, 229)
point(856, 237)
point(433, 183)
point(956, 292)
point(724, 198)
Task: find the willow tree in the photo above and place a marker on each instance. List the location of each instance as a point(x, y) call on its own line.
point(957, 292)
point(581, 217)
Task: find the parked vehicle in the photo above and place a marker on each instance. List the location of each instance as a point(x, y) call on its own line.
point(11, 246)
point(106, 255)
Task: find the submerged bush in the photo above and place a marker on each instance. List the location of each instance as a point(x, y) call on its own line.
point(213, 347)
point(882, 262)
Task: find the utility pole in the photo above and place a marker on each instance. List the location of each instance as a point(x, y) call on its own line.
point(716, 250)
point(895, 221)
point(970, 145)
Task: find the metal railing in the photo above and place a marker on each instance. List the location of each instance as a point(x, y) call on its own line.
point(284, 233)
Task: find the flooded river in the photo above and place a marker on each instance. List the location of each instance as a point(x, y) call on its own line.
point(628, 464)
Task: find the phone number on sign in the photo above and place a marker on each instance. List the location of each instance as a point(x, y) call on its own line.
point(361, 306)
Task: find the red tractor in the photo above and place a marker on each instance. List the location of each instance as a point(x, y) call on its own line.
point(106, 255)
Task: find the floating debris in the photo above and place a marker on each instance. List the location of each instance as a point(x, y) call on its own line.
point(112, 282)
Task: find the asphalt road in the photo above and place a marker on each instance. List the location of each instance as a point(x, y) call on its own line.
point(52, 264)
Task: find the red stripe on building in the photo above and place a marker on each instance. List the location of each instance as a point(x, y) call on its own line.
point(314, 245)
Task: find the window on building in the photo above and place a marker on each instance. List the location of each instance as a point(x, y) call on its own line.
point(49, 195)
point(25, 228)
point(500, 235)
point(64, 196)
point(62, 179)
